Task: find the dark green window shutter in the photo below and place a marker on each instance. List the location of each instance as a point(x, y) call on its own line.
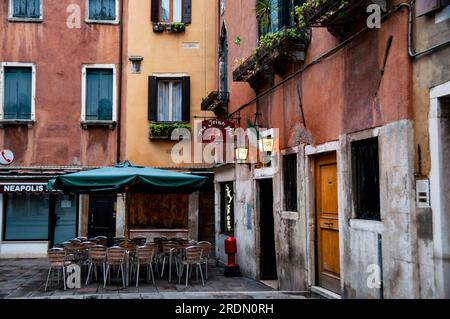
point(186, 99)
point(102, 9)
point(99, 95)
point(17, 98)
point(187, 12)
point(155, 10)
point(26, 8)
point(152, 98)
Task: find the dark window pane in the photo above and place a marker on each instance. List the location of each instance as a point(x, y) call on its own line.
point(366, 184)
point(27, 217)
point(102, 9)
point(99, 94)
point(290, 182)
point(17, 98)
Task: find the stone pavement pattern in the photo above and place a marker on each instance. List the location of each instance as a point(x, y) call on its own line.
point(25, 278)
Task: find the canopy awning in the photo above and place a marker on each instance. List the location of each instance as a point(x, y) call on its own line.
point(123, 178)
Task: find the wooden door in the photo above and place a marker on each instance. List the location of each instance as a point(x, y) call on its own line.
point(102, 216)
point(328, 267)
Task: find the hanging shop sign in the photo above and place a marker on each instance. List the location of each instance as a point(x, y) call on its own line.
point(6, 157)
point(227, 197)
point(216, 130)
point(23, 188)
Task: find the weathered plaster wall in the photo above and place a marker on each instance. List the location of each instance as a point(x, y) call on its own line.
point(291, 234)
point(429, 71)
point(396, 253)
point(58, 52)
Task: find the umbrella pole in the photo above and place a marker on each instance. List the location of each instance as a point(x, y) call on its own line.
point(127, 216)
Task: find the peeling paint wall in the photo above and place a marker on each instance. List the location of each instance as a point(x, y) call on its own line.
point(390, 244)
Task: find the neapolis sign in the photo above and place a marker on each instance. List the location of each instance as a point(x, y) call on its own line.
point(23, 188)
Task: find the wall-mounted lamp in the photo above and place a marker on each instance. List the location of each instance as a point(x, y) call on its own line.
point(241, 154)
point(266, 144)
point(136, 62)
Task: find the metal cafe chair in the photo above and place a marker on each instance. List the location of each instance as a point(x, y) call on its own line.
point(169, 252)
point(155, 256)
point(118, 240)
point(102, 240)
point(97, 258)
point(139, 240)
point(144, 257)
point(191, 259)
point(115, 257)
point(57, 260)
point(206, 254)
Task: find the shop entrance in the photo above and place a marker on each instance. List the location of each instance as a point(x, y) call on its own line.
point(102, 216)
point(268, 260)
point(207, 221)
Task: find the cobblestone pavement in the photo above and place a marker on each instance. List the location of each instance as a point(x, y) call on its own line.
point(25, 278)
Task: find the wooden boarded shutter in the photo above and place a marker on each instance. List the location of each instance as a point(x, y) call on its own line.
point(187, 11)
point(152, 98)
point(186, 99)
point(156, 4)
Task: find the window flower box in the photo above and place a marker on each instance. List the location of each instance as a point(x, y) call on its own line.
point(163, 131)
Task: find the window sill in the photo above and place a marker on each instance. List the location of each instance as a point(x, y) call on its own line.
point(87, 124)
point(367, 225)
point(28, 123)
point(113, 22)
point(29, 20)
point(162, 138)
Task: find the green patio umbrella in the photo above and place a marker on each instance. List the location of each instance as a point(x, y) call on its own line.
point(126, 178)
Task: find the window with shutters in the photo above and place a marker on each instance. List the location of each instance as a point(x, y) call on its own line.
point(366, 179)
point(99, 93)
point(102, 11)
point(25, 9)
point(169, 99)
point(17, 92)
point(290, 182)
point(171, 11)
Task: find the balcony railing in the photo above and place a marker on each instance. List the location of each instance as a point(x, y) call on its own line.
point(216, 102)
point(269, 57)
point(336, 15)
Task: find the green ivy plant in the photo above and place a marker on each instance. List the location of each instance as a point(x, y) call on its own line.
point(309, 5)
point(272, 40)
point(166, 129)
point(178, 27)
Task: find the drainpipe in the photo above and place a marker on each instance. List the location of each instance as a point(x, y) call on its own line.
point(120, 84)
point(411, 51)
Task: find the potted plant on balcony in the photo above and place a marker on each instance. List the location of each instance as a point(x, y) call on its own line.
point(163, 131)
point(178, 27)
point(158, 27)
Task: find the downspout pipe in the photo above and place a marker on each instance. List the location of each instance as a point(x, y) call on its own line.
point(411, 51)
point(120, 85)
